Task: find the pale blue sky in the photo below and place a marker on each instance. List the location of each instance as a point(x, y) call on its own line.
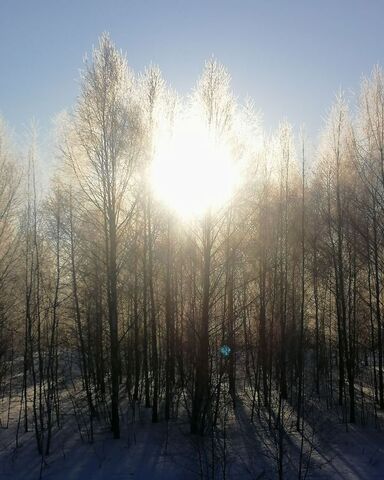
point(290, 56)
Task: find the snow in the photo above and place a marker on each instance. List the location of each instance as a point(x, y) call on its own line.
point(242, 449)
point(140, 454)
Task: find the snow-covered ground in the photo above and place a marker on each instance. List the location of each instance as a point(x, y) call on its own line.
point(237, 449)
point(142, 452)
point(148, 451)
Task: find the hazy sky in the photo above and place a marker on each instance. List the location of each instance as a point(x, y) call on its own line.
point(290, 56)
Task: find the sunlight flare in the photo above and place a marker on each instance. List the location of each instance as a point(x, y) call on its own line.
point(192, 172)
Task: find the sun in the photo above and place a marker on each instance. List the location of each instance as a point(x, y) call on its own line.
point(192, 172)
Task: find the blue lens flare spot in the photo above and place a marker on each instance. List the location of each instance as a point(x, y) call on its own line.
point(225, 350)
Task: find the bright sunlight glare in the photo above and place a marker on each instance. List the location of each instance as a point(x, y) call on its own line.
point(192, 172)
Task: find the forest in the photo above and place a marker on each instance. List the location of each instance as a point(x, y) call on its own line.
point(188, 280)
